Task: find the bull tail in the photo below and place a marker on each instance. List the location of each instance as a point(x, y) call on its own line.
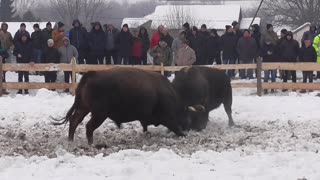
point(77, 100)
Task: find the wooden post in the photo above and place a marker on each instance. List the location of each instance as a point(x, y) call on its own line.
point(259, 78)
point(162, 69)
point(74, 81)
point(1, 76)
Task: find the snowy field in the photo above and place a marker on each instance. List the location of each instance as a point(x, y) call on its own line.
point(278, 138)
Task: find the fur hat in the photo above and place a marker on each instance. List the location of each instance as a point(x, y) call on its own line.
point(284, 31)
point(125, 25)
point(269, 26)
point(22, 25)
point(234, 23)
point(36, 26)
point(186, 25)
point(60, 24)
point(48, 24)
point(50, 41)
point(203, 26)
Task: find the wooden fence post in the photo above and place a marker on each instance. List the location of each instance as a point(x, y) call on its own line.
point(74, 80)
point(259, 78)
point(162, 69)
point(1, 76)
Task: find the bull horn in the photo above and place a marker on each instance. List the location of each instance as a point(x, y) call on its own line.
point(192, 109)
point(200, 108)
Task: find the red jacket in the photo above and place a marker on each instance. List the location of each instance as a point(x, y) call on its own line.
point(137, 47)
point(155, 40)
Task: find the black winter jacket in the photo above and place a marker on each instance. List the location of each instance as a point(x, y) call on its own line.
point(25, 50)
point(36, 39)
point(214, 46)
point(229, 45)
point(97, 40)
point(124, 43)
point(269, 57)
point(45, 35)
point(307, 54)
point(79, 38)
point(50, 55)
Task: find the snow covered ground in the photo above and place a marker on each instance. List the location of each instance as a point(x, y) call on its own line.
point(278, 138)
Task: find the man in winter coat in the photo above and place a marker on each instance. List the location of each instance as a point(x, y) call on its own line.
point(124, 44)
point(229, 49)
point(46, 34)
point(97, 43)
point(202, 55)
point(144, 36)
point(187, 29)
point(36, 43)
point(177, 44)
point(6, 42)
point(23, 52)
point(268, 54)
point(67, 53)
point(236, 29)
point(270, 35)
point(256, 34)
point(22, 31)
point(186, 55)
point(111, 36)
point(214, 48)
point(58, 35)
point(247, 49)
point(162, 54)
point(137, 49)
point(309, 35)
point(307, 54)
point(50, 55)
point(79, 38)
point(289, 52)
point(156, 37)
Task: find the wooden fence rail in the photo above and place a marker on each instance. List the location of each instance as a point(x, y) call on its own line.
point(77, 68)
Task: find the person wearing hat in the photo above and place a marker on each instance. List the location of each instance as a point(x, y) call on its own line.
point(247, 49)
point(162, 54)
point(124, 45)
point(36, 43)
point(202, 54)
point(229, 48)
point(23, 52)
point(50, 55)
point(236, 28)
point(58, 35)
point(6, 42)
point(143, 34)
point(97, 43)
point(46, 34)
point(289, 53)
point(111, 35)
point(270, 35)
point(186, 56)
point(19, 33)
point(67, 53)
point(187, 29)
point(214, 47)
point(79, 39)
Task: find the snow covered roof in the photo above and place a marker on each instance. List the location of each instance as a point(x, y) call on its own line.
point(14, 26)
point(245, 22)
point(173, 16)
point(134, 22)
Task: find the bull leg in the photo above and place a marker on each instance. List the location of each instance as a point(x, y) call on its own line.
point(75, 121)
point(145, 126)
point(227, 108)
point(95, 121)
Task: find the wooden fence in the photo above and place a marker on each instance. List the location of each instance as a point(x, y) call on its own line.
point(76, 68)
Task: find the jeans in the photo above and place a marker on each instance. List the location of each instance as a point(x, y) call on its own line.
point(246, 73)
point(286, 75)
point(67, 76)
point(23, 74)
point(37, 55)
point(267, 74)
point(230, 72)
point(308, 75)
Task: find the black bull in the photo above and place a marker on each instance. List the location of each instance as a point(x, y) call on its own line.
point(203, 89)
point(124, 95)
point(128, 94)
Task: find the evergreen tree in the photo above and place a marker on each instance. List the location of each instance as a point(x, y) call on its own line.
point(6, 10)
point(29, 17)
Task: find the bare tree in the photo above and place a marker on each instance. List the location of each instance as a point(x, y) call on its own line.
point(292, 12)
point(178, 15)
point(85, 10)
